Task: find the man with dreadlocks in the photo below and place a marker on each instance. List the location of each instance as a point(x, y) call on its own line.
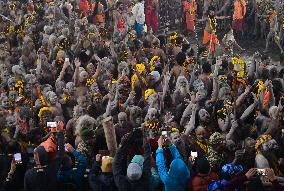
point(210, 37)
point(273, 32)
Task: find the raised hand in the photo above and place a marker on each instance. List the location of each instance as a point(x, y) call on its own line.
point(77, 63)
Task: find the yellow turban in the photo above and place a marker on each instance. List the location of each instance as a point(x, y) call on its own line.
point(134, 78)
point(149, 92)
point(140, 68)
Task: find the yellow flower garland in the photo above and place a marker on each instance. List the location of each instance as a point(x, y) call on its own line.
point(66, 98)
point(152, 63)
point(149, 92)
point(152, 124)
point(43, 109)
point(260, 86)
point(213, 24)
point(41, 99)
point(173, 36)
point(239, 61)
point(20, 87)
point(204, 147)
point(90, 82)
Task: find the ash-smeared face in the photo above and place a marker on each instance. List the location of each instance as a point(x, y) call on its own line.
point(198, 85)
point(152, 114)
point(70, 88)
point(270, 146)
point(11, 82)
point(175, 137)
point(13, 95)
point(11, 121)
point(52, 97)
point(204, 116)
point(5, 102)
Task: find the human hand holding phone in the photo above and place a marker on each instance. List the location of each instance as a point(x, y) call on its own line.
point(69, 148)
point(18, 158)
point(251, 173)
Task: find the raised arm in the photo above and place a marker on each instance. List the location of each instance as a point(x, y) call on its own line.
point(117, 165)
point(234, 126)
point(160, 161)
point(77, 72)
point(62, 72)
point(98, 70)
point(250, 109)
point(242, 97)
point(191, 124)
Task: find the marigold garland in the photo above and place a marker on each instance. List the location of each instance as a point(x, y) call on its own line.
point(19, 86)
point(239, 61)
point(213, 24)
point(43, 109)
point(260, 86)
point(90, 82)
point(66, 98)
point(203, 146)
point(152, 63)
point(152, 124)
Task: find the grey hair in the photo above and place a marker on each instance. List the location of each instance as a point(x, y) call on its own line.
point(84, 122)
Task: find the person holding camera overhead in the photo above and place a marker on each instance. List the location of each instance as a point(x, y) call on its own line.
point(178, 175)
point(43, 177)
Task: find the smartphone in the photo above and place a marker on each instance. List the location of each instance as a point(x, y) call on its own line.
point(165, 134)
point(66, 59)
point(104, 152)
point(52, 126)
point(261, 172)
point(193, 154)
point(18, 158)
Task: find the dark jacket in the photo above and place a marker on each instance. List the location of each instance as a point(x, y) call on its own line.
point(17, 180)
point(75, 175)
point(121, 180)
point(235, 182)
point(45, 179)
point(100, 181)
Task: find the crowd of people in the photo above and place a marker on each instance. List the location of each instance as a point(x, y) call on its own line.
point(95, 96)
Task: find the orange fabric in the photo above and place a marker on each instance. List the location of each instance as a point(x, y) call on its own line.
point(189, 9)
point(120, 26)
point(266, 98)
point(239, 9)
point(206, 40)
point(93, 7)
point(84, 6)
point(270, 18)
point(200, 182)
point(50, 147)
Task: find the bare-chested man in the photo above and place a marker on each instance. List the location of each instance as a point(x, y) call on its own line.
point(273, 31)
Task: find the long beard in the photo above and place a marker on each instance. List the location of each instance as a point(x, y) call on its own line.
point(183, 91)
